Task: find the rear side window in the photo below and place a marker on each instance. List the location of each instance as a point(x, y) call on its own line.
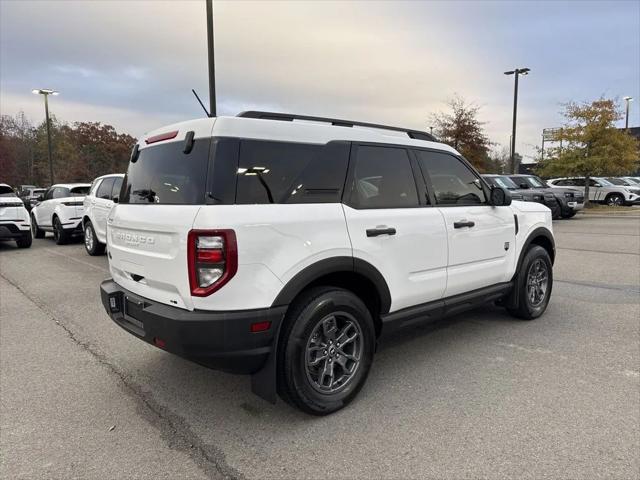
point(7, 191)
point(287, 172)
point(452, 181)
point(79, 191)
point(104, 190)
point(383, 178)
point(164, 174)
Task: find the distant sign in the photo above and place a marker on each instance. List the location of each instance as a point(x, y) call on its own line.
point(551, 134)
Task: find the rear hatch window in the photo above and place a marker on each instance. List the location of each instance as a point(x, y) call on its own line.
point(164, 174)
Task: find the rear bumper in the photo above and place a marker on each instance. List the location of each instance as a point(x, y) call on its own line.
point(220, 340)
point(13, 230)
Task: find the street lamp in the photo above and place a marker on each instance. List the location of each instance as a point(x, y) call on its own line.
point(46, 92)
point(517, 72)
point(626, 119)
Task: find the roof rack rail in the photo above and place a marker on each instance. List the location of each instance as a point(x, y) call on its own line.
point(289, 117)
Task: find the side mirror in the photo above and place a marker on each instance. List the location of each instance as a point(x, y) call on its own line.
point(524, 185)
point(597, 185)
point(500, 197)
point(115, 199)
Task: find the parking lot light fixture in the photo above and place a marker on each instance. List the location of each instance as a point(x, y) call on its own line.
point(45, 92)
point(516, 73)
point(626, 117)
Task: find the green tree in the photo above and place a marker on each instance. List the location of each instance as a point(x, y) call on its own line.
point(461, 129)
point(591, 144)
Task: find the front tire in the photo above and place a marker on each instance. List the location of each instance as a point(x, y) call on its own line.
point(35, 230)
point(25, 241)
point(614, 200)
point(327, 348)
point(569, 214)
point(556, 210)
point(534, 284)
point(91, 243)
point(59, 234)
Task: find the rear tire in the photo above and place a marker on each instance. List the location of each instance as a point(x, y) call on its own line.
point(25, 241)
point(35, 230)
point(91, 243)
point(328, 342)
point(59, 235)
point(534, 283)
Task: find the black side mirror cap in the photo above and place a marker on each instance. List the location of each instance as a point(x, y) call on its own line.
point(115, 199)
point(500, 197)
point(524, 185)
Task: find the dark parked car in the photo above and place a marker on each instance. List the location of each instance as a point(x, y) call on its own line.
point(505, 182)
point(30, 195)
point(563, 202)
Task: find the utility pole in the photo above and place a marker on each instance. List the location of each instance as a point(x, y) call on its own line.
point(517, 72)
point(212, 66)
point(626, 118)
point(45, 92)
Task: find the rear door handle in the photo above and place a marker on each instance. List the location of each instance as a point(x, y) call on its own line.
point(374, 232)
point(463, 223)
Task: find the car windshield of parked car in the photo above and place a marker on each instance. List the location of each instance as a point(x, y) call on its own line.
point(6, 191)
point(79, 191)
point(535, 182)
point(618, 181)
point(505, 182)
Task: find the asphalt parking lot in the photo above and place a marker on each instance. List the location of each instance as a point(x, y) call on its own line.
point(477, 396)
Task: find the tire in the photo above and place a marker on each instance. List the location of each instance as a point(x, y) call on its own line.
point(25, 241)
point(311, 332)
point(530, 307)
point(35, 230)
point(556, 210)
point(91, 243)
point(59, 235)
point(569, 214)
point(614, 200)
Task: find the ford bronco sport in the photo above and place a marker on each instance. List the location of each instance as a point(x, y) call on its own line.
point(284, 246)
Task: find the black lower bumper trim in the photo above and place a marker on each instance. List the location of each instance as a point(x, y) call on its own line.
point(220, 340)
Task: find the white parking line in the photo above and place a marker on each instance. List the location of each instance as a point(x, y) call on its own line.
point(77, 260)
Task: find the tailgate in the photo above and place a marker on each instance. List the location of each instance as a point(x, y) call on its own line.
point(148, 250)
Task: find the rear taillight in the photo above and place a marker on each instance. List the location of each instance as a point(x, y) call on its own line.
point(212, 257)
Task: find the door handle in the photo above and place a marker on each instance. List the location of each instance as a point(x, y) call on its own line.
point(463, 223)
point(374, 232)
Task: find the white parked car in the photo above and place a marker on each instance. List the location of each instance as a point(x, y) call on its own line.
point(285, 249)
point(97, 205)
point(14, 218)
point(60, 211)
point(601, 190)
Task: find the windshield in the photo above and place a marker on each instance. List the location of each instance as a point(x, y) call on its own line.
point(618, 181)
point(505, 182)
point(535, 182)
point(604, 181)
point(79, 191)
point(6, 191)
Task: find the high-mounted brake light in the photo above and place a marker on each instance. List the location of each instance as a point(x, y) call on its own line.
point(212, 259)
point(161, 137)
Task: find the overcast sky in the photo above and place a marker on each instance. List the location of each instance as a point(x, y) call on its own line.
point(133, 63)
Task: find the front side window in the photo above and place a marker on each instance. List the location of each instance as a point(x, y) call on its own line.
point(104, 190)
point(452, 181)
point(383, 178)
point(505, 182)
point(534, 182)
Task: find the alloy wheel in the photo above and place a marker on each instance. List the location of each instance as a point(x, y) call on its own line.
point(333, 353)
point(88, 238)
point(537, 283)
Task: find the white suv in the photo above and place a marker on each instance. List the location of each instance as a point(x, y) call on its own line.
point(284, 246)
point(60, 211)
point(601, 190)
point(14, 218)
point(97, 205)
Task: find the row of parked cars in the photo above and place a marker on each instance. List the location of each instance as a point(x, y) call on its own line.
point(67, 210)
point(565, 196)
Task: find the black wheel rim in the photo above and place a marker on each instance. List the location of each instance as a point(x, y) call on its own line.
point(333, 352)
point(537, 283)
point(615, 200)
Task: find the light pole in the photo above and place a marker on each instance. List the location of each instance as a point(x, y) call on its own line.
point(212, 65)
point(46, 92)
point(517, 72)
point(626, 118)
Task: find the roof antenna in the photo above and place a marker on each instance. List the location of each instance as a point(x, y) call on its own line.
point(201, 104)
